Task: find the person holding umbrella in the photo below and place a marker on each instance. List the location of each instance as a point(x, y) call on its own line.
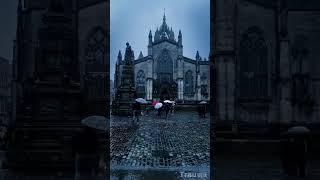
point(294, 151)
point(86, 148)
point(159, 106)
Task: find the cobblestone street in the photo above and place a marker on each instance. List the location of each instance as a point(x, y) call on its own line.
point(177, 144)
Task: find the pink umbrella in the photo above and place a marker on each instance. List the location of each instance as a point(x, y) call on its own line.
point(154, 103)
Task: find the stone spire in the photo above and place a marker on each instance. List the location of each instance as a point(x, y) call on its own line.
point(180, 38)
point(140, 55)
point(156, 35)
point(197, 56)
point(150, 38)
point(119, 57)
point(164, 16)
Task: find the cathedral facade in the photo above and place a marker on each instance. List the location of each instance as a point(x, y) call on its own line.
point(266, 66)
point(165, 73)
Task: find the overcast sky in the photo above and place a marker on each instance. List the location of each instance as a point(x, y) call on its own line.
point(8, 19)
point(131, 21)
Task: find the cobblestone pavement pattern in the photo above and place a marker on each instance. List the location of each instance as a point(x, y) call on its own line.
point(179, 143)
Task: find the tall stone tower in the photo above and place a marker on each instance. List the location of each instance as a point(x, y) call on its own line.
point(126, 91)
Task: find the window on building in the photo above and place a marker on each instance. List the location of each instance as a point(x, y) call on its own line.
point(96, 47)
point(253, 57)
point(140, 84)
point(95, 56)
point(165, 67)
point(189, 88)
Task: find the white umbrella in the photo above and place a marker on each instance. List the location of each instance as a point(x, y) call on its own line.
point(158, 105)
point(141, 100)
point(298, 130)
point(203, 102)
point(96, 122)
point(168, 101)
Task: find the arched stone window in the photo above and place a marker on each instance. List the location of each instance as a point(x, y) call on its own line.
point(253, 62)
point(165, 67)
point(95, 53)
point(96, 47)
point(140, 84)
point(188, 88)
point(203, 77)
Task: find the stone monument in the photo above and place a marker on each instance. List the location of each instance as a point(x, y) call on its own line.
point(125, 93)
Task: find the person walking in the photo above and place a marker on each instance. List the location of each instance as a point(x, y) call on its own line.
point(294, 155)
point(300, 150)
point(204, 111)
point(137, 111)
point(285, 155)
point(199, 109)
point(85, 147)
point(159, 111)
point(167, 107)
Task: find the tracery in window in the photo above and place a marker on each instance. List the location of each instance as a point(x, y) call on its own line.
point(188, 88)
point(165, 67)
point(140, 84)
point(253, 58)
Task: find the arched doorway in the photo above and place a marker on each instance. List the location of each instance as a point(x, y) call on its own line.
point(164, 94)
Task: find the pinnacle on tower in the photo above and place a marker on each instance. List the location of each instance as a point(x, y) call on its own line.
point(150, 38)
point(197, 56)
point(119, 55)
point(140, 55)
point(180, 38)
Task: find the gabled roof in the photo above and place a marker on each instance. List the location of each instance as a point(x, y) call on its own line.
point(140, 60)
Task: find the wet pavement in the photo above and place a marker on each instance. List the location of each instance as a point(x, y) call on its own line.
point(264, 166)
point(176, 148)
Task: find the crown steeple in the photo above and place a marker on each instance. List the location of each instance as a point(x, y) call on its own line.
point(164, 16)
point(164, 32)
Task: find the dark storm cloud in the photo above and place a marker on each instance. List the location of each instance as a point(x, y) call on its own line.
point(132, 20)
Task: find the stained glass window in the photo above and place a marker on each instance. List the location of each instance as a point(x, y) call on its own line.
point(165, 67)
point(96, 47)
point(188, 88)
point(140, 84)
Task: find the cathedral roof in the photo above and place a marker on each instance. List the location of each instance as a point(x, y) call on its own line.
point(189, 60)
